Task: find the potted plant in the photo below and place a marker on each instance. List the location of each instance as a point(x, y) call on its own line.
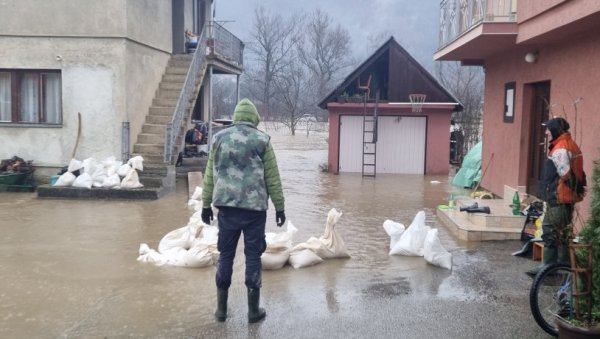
point(342, 98)
point(356, 98)
point(582, 327)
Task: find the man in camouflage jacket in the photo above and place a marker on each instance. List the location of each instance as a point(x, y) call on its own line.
point(241, 175)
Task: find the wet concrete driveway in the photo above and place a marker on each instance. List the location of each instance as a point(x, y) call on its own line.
point(69, 268)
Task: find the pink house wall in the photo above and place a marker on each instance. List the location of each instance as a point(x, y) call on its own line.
point(437, 157)
point(573, 68)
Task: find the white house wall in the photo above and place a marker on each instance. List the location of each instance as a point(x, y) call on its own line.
point(112, 55)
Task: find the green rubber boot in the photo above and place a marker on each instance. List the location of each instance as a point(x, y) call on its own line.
point(255, 313)
point(221, 312)
point(550, 257)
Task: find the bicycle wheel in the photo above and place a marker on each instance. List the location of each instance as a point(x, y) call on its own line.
point(550, 296)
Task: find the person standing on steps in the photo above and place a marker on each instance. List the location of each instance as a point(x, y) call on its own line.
point(562, 185)
point(241, 175)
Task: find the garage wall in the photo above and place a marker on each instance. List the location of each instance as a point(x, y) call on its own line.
point(400, 145)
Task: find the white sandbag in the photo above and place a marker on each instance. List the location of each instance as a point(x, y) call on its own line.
point(146, 254)
point(136, 162)
point(111, 165)
point(196, 219)
point(433, 251)
point(197, 195)
point(111, 181)
point(330, 244)
point(74, 165)
point(181, 237)
point(394, 230)
point(65, 180)
point(411, 241)
point(83, 181)
point(124, 170)
point(196, 256)
point(274, 260)
point(281, 240)
point(304, 258)
point(131, 180)
point(90, 165)
point(278, 248)
point(98, 176)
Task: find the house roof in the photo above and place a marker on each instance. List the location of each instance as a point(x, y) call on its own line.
point(391, 73)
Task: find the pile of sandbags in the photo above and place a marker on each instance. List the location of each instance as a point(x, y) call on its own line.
point(417, 240)
point(108, 173)
point(278, 249)
point(193, 245)
point(315, 250)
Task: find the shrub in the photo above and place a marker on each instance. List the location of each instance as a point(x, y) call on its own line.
point(591, 235)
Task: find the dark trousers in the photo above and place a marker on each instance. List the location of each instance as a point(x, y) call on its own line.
point(232, 222)
point(557, 227)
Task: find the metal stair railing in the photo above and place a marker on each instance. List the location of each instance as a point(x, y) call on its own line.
point(173, 128)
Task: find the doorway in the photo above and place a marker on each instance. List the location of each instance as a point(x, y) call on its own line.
point(539, 94)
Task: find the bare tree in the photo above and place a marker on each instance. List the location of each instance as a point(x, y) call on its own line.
point(325, 51)
point(292, 93)
point(466, 83)
point(275, 39)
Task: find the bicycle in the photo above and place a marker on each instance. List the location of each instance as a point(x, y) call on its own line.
point(551, 296)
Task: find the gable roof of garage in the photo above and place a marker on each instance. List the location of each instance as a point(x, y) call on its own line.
point(392, 73)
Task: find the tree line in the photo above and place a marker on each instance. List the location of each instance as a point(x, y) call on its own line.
point(291, 64)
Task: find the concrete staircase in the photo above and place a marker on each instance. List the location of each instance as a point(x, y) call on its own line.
point(151, 141)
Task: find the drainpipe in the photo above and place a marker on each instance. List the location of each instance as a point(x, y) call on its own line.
point(125, 141)
point(237, 89)
point(210, 112)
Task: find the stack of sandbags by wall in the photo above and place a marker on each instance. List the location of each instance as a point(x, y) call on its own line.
point(329, 245)
point(278, 248)
point(107, 173)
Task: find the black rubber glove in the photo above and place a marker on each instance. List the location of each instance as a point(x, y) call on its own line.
point(280, 218)
point(207, 215)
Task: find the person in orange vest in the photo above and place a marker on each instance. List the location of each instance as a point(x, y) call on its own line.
point(562, 186)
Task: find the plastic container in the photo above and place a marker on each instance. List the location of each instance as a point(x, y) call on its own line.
point(53, 179)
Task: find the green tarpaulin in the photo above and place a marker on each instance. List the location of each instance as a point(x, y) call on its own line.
point(470, 170)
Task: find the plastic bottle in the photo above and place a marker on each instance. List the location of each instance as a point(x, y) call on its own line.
point(516, 204)
point(451, 201)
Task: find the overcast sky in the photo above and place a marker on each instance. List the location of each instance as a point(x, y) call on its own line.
point(413, 23)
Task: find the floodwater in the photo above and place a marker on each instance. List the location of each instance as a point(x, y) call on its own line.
point(69, 267)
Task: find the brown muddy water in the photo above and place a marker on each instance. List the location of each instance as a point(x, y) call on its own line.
point(69, 267)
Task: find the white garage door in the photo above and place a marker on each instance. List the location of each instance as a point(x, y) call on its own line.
point(400, 145)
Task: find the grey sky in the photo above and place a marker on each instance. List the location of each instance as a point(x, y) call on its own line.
point(413, 23)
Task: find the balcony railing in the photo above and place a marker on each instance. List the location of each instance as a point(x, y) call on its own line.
point(224, 45)
point(459, 16)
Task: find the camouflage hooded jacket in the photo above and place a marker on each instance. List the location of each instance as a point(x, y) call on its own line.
point(242, 169)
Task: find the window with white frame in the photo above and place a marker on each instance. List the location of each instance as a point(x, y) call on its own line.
point(30, 96)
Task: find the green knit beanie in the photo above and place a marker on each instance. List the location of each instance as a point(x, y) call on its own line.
point(246, 111)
